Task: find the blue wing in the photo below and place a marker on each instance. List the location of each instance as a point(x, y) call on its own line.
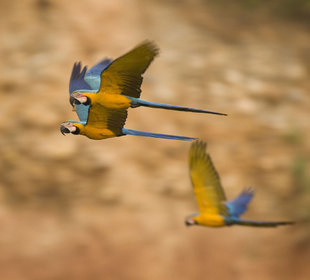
point(92, 76)
point(77, 82)
point(88, 81)
point(77, 78)
point(238, 206)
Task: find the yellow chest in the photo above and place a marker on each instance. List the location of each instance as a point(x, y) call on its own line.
point(111, 101)
point(97, 133)
point(210, 220)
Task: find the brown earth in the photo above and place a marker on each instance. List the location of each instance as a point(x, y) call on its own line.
point(73, 208)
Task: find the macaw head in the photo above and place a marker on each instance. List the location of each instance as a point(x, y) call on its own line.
point(77, 98)
point(69, 127)
point(190, 220)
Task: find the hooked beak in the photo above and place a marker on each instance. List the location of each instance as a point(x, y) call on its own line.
point(77, 98)
point(66, 128)
point(190, 221)
point(73, 101)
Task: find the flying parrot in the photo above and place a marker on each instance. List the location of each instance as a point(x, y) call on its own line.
point(100, 103)
point(215, 211)
point(97, 121)
point(116, 84)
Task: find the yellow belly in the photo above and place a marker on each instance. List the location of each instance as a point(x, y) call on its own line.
point(111, 101)
point(98, 134)
point(210, 220)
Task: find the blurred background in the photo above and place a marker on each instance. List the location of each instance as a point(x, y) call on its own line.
point(75, 208)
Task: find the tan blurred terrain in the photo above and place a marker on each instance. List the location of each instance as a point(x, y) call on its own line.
point(74, 208)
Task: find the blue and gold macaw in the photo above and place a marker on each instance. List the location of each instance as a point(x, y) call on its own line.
point(106, 118)
point(116, 84)
point(215, 211)
point(100, 100)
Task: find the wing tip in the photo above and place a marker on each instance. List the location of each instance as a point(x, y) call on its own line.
point(77, 73)
point(150, 46)
point(198, 152)
point(249, 191)
point(198, 149)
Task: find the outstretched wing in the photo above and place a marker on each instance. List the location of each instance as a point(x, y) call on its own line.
point(124, 75)
point(92, 76)
point(103, 118)
point(77, 81)
point(238, 206)
point(206, 182)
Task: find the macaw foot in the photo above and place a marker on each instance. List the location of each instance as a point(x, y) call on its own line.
point(77, 98)
point(134, 105)
point(134, 102)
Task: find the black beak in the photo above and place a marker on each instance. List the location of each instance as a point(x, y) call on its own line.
point(190, 222)
point(64, 130)
point(74, 101)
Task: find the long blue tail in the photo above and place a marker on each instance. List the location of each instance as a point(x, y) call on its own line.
point(156, 135)
point(136, 102)
point(258, 223)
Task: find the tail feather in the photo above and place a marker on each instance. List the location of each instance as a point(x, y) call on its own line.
point(138, 102)
point(156, 135)
point(260, 223)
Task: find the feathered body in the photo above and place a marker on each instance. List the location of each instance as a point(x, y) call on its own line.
point(102, 89)
point(121, 81)
point(215, 211)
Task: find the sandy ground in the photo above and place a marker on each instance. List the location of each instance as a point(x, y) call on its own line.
point(74, 208)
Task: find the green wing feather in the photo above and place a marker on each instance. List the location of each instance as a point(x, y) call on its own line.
point(205, 180)
point(124, 75)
